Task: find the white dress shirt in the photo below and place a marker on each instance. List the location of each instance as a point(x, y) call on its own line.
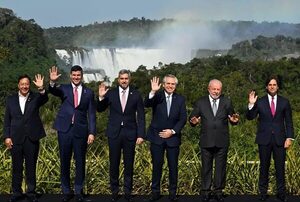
point(22, 101)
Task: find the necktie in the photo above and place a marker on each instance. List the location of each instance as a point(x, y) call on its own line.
point(75, 94)
point(123, 100)
point(168, 105)
point(75, 97)
point(273, 107)
point(214, 107)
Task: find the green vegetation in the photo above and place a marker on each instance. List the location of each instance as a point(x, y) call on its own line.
point(144, 32)
point(242, 170)
point(23, 49)
point(121, 33)
point(266, 48)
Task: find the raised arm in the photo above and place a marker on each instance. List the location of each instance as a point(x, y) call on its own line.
point(252, 109)
point(53, 74)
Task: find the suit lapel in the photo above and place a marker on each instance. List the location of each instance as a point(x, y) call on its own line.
point(221, 105)
point(83, 96)
point(129, 98)
point(164, 102)
point(173, 104)
point(163, 95)
point(117, 95)
point(267, 104)
point(208, 104)
point(277, 105)
point(17, 102)
point(70, 94)
point(28, 102)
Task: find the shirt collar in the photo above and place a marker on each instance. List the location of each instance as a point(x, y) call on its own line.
point(121, 89)
point(211, 99)
point(270, 97)
point(79, 86)
point(20, 95)
point(166, 94)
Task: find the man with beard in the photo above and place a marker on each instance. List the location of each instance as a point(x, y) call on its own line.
point(213, 112)
point(125, 129)
point(76, 126)
point(274, 134)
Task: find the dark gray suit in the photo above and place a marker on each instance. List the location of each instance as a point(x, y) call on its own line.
point(214, 141)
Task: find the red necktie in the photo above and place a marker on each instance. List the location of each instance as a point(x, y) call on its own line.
point(75, 101)
point(75, 97)
point(273, 107)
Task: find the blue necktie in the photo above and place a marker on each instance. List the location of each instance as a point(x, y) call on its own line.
point(168, 104)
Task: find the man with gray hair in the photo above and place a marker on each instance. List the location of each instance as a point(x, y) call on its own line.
point(125, 129)
point(213, 112)
point(168, 118)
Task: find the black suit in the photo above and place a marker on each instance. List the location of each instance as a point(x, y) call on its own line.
point(271, 135)
point(122, 130)
point(160, 121)
point(214, 141)
point(25, 130)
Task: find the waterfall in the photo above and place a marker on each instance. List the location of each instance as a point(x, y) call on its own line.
point(108, 61)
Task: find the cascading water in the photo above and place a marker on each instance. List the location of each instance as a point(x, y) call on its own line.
point(108, 61)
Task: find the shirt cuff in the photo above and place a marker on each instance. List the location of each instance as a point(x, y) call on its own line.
point(42, 91)
point(250, 106)
point(52, 84)
point(151, 95)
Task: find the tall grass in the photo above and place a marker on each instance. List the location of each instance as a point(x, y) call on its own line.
point(242, 165)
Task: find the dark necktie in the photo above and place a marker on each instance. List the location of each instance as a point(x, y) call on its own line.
point(214, 107)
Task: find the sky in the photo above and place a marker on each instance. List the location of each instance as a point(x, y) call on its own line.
point(57, 13)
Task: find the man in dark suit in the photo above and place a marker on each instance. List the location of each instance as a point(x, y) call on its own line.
point(274, 134)
point(125, 129)
point(76, 126)
point(23, 129)
point(168, 118)
point(213, 111)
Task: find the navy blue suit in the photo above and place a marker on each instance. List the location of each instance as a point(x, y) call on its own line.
point(122, 131)
point(271, 135)
point(72, 135)
point(160, 121)
point(25, 130)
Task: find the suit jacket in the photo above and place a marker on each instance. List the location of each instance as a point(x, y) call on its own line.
point(17, 125)
point(84, 114)
point(160, 120)
point(133, 117)
point(214, 129)
point(281, 125)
